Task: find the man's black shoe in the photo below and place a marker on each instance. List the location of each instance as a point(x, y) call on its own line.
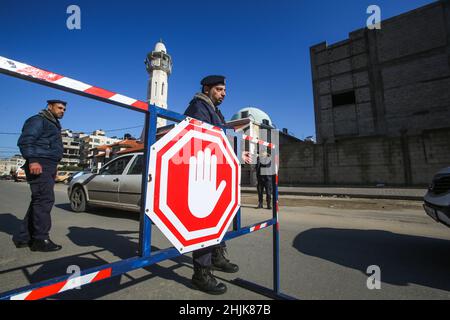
point(220, 263)
point(205, 281)
point(45, 246)
point(259, 206)
point(22, 244)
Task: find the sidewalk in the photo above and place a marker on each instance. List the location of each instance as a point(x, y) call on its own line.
point(352, 192)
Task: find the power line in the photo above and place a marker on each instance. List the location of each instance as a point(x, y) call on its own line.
point(108, 130)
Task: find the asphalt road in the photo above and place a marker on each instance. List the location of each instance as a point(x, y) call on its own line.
point(326, 246)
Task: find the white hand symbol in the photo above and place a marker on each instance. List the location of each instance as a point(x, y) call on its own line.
point(203, 193)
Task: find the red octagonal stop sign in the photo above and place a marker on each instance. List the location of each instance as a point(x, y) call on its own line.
point(195, 190)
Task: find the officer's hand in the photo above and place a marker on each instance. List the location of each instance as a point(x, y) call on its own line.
point(35, 168)
point(247, 157)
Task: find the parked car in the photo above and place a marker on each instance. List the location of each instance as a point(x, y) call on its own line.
point(116, 185)
point(63, 176)
point(437, 199)
point(77, 174)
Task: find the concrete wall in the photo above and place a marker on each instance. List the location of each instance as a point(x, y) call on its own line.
point(394, 161)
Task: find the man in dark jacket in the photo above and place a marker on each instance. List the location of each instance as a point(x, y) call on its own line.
point(41, 145)
point(205, 107)
point(264, 179)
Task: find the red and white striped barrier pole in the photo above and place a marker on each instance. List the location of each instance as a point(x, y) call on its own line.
point(259, 227)
point(24, 71)
point(51, 79)
point(258, 141)
point(62, 286)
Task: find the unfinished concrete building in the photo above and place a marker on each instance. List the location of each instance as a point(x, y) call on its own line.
point(382, 105)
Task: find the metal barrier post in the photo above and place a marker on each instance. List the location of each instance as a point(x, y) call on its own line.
point(237, 218)
point(276, 236)
point(145, 227)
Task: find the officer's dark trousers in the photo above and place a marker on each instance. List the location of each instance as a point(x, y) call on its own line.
point(37, 221)
point(202, 257)
point(264, 183)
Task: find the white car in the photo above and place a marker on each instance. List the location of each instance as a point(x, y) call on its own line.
point(437, 199)
point(116, 185)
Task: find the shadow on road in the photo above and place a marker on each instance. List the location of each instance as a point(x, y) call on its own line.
point(9, 223)
point(403, 259)
point(103, 212)
point(122, 244)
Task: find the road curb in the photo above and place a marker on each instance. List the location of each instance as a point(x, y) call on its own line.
point(343, 195)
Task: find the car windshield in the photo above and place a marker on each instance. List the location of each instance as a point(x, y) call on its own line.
point(62, 173)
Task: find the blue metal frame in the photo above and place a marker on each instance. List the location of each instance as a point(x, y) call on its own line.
point(275, 292)
point(146, 257)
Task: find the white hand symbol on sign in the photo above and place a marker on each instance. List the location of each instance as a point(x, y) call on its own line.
point(203, 193)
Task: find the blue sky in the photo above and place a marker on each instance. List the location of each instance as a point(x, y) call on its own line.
point(261, 46)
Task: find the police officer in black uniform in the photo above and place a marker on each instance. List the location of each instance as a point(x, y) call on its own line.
point(205, 107)
point(264, 179)
point(41, 145)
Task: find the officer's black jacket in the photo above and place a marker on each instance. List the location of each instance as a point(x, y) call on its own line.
point(41, 138)
point(201, 110)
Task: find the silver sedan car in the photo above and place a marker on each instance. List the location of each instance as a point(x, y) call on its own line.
point(117, 185)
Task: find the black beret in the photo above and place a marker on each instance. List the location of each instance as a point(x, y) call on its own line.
point(56, 101)
point(212, 80)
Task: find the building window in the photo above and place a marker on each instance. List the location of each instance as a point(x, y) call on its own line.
point(344, 98)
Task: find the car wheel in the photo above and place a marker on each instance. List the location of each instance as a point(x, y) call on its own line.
point(78, 201)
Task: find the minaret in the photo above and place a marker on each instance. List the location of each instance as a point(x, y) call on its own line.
point(159, 67)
